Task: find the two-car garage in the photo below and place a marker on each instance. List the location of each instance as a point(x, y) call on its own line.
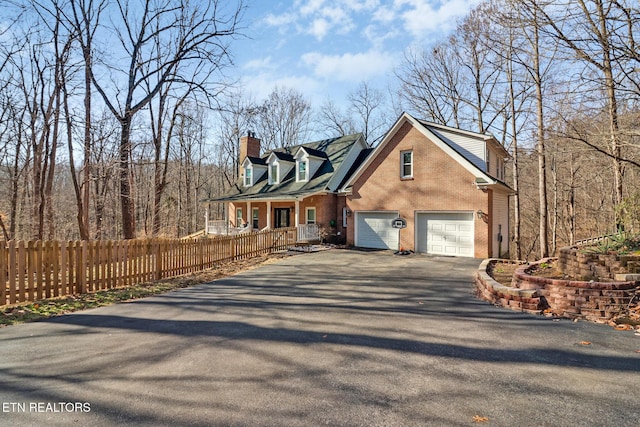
point(437, 233)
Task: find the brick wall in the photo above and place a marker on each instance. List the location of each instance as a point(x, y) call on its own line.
point(525, 300)
point(439, 183)
point(595, 301)
point(590, 266)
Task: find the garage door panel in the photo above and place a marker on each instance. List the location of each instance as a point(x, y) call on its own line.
point(446, 233)
point(374, 230)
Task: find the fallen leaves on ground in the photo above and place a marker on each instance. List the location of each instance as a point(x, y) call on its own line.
point(479, 419)
point(585, 342)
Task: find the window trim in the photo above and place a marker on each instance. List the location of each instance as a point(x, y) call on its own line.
point(306, 170)
point(315, 215)
point(239, 217)
point(248, 173)
point(403, 164)
point(255, 217)
point(274, 179)
point(488, 161)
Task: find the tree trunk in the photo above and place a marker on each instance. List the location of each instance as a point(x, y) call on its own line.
point(126, 201)
point(542, 173)
point(83, 206)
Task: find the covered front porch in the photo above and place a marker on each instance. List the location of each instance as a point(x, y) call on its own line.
point(257, 215)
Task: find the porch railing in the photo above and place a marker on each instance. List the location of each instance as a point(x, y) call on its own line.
point(222, 228)
point(307, 232)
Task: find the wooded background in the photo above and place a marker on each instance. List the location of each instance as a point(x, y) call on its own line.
point(117, 117)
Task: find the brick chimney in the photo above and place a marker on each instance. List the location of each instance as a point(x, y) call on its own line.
point(249, 146)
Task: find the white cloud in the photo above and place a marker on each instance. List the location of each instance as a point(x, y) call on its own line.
point(280, 20)
point(349, 67)
point(319, 28)
point(320, 17)
point(259, 64)
point(312, 6)
point(261, 84)
point(425, 16)
point(362, 5)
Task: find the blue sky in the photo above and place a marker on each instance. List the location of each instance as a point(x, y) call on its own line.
point(325, 48)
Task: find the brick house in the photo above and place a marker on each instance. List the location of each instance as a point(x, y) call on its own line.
point(445, 184)
point(296, 186)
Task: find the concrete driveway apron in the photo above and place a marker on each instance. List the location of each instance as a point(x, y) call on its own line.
point(332, 338)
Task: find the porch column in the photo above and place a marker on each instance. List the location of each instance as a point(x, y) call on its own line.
point(297, 216)
point(206, 221)
point(249, 216)
point(225, 215)
point(268, 214)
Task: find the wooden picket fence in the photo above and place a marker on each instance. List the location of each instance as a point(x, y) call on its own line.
point(35, 270)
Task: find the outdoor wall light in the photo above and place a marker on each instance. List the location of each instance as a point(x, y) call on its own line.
point(483, 216)
point(348, 212)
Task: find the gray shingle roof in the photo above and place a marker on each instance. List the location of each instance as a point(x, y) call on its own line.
point(334, 150)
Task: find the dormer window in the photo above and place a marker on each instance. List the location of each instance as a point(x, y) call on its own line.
point(308, 162)
point(248, 176)
point(273, 173)
point(301, 170)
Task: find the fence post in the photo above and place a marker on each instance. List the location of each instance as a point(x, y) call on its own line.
point(31, 288)
point(3, 273)
point(22, 270)
point(11, 271)
point(84, 257)
point(158, 257)
point(55, 268)
point(65, 268)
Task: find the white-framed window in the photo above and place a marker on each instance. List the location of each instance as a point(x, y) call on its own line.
point(255, 215)
point(248, 176)
point(488, 161)
point(273, 173)
point(311, 215)
point(239, 220)
point(302, 172)
point(406, 164)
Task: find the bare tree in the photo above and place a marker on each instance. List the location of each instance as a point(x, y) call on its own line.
point(585, 28)
point(237, 114)
point(431, 84)
point(85, 19)
point(368, 105)
point(333, 120)
point(284, 118)
point(191, 35)
point(366, 113)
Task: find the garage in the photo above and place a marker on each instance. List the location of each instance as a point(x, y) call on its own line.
point(375, 230)
point(445, 233)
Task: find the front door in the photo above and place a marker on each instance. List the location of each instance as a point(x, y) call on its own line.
point(281, 217)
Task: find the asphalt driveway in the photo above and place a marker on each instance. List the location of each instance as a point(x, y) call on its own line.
point(332, 338)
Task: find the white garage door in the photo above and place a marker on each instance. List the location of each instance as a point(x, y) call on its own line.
point(446, 233)
point(374, 230)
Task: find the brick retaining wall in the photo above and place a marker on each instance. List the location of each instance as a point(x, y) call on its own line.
point(591, 266)
point(594, 301)
point(526, 300)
